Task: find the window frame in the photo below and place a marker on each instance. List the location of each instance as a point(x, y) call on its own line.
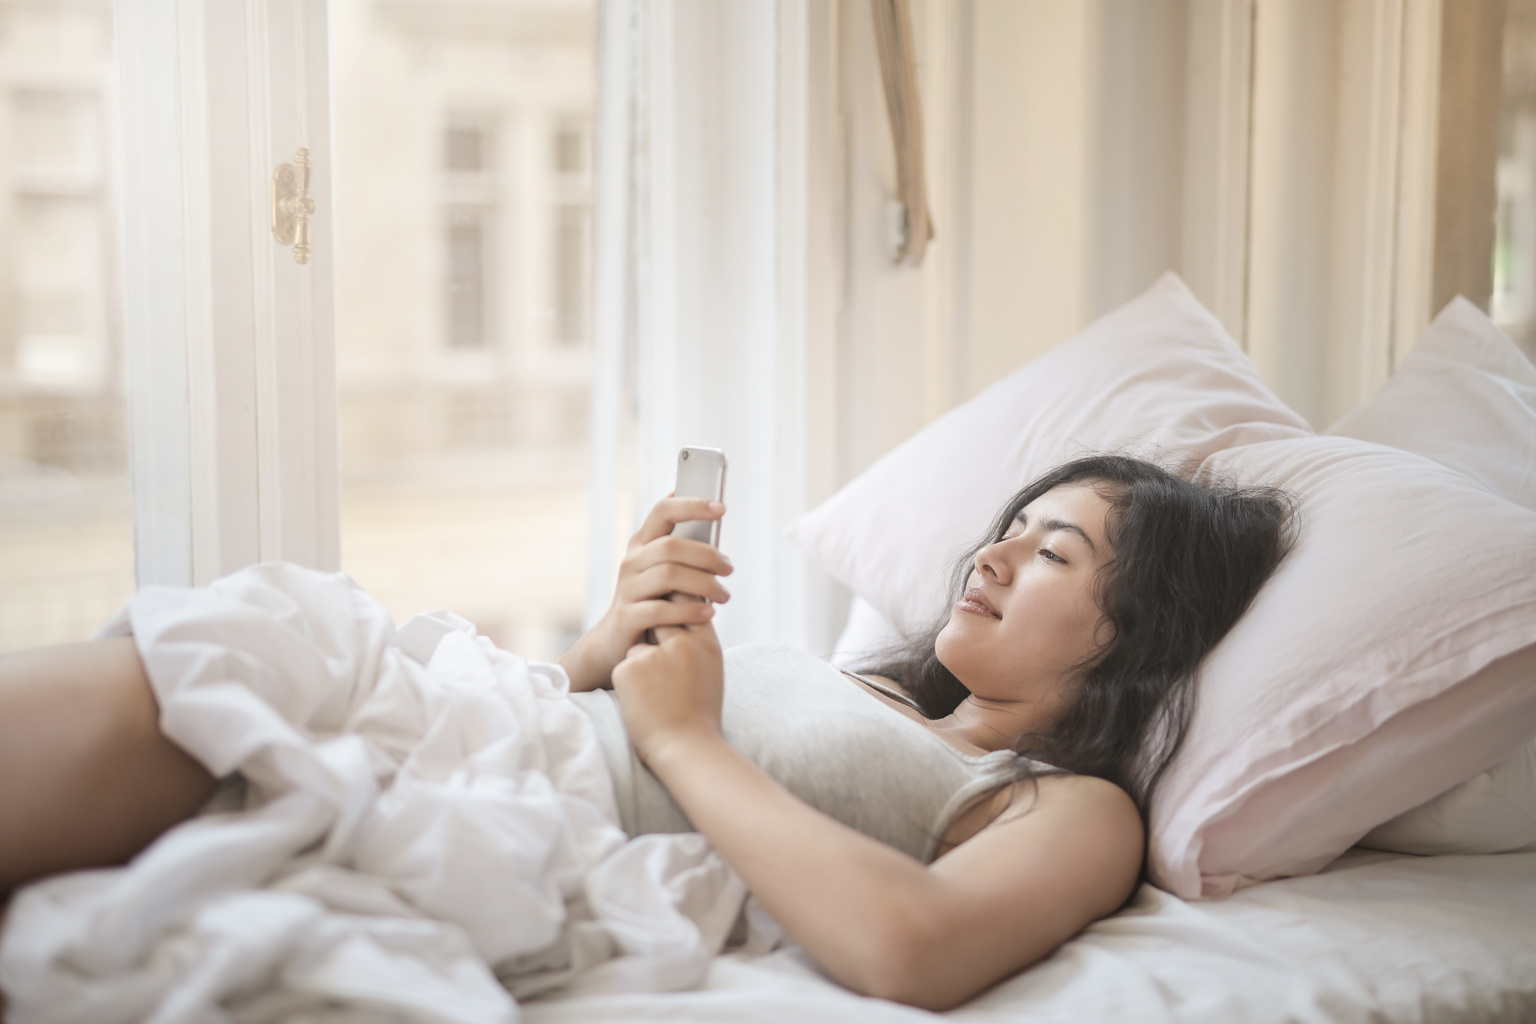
point(230, 343)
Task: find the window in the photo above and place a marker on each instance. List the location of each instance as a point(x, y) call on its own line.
point(467, 258)
point(66, 544)
point(470, 188)
point(461, 275)
point(466, 151)
point(571, 273)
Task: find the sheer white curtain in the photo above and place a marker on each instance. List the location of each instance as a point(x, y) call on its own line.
point(709, 313)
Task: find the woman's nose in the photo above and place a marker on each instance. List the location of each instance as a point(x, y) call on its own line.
point(992, 561)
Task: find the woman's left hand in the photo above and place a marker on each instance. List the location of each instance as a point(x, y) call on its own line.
point(671, 690)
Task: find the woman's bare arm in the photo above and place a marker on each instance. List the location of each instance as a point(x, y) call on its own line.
point(86, 776)
point(875, 919)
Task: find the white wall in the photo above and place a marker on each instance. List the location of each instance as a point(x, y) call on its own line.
point(1056, 154)
point(1270, 151)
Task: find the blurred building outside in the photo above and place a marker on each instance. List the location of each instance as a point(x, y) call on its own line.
point(66, 533)
point(463, 183)
point(463, 353)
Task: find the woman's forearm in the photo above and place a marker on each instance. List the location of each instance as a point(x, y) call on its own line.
point(583, 668)
point(854, 903)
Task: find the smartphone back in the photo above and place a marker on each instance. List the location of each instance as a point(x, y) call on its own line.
point(700, 474)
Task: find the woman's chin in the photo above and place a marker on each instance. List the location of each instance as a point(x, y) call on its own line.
point(946, 645)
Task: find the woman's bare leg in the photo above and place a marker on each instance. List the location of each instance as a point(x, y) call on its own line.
point(86, 777)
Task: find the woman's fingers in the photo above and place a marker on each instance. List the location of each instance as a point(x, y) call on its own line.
point(680, 550)
point(645, 615)
point(670, 511)
point(672, 578)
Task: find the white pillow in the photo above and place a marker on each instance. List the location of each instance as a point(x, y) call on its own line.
point(1465, 397)
point(1158, 375)
point(1492, 812)
point(865, 633)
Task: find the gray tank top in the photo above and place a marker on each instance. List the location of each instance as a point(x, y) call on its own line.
point(840, 750)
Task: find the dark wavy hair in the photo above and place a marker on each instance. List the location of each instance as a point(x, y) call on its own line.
point(1189, 557)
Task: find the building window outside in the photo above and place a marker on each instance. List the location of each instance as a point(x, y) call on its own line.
point(465, 151)
point(471, 193)
point(66, 532)
point(571, 264)
point(571, 228)
point(571, 150)
point(468, 238)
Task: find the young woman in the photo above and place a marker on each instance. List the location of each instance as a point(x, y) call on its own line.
point(880, 818)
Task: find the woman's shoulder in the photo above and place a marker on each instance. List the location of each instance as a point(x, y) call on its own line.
point(1076, 801)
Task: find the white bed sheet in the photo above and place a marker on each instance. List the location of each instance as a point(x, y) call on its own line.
point(1378, 938)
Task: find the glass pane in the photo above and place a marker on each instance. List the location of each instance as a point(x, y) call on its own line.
point(1514, 255)
point(463, 354)
point(66, 534)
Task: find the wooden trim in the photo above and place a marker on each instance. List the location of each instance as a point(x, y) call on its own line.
point(1218, 148)
point(1365, 202)
point(1466, 194)
point(944, 50)
point(1418, 141)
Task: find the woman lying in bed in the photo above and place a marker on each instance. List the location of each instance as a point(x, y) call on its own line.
point(880, 818)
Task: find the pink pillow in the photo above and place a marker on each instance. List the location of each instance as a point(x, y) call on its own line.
point(1334, 704)
point(1361, 683)
point(1157, 375)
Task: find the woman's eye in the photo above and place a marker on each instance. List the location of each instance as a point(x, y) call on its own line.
point(1052, 556)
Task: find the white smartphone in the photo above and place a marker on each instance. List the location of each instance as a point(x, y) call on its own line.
point(700, 474)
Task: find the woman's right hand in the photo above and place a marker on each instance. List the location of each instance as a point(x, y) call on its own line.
point(656, 566)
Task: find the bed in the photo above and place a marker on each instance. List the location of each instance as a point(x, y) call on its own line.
point(1376, 937)
point(425, 831)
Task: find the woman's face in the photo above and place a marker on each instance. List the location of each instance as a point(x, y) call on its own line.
point(1028, 617)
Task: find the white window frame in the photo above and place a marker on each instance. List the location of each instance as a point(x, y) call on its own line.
point(230, 342)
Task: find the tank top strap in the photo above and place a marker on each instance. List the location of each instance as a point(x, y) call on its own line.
point(879, 687)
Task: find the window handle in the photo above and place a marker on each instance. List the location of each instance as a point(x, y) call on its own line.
point(292, 205)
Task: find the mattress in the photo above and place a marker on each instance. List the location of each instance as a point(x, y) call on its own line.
point(1377, 937)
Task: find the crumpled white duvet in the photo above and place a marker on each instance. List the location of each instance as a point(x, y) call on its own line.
point(425, 829)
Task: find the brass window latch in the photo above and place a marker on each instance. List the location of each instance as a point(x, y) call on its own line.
point(292, 205)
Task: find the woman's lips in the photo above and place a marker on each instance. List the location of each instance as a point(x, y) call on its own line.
point(976, 603)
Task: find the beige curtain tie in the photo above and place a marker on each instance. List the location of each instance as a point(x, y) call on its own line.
point(898, 69)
